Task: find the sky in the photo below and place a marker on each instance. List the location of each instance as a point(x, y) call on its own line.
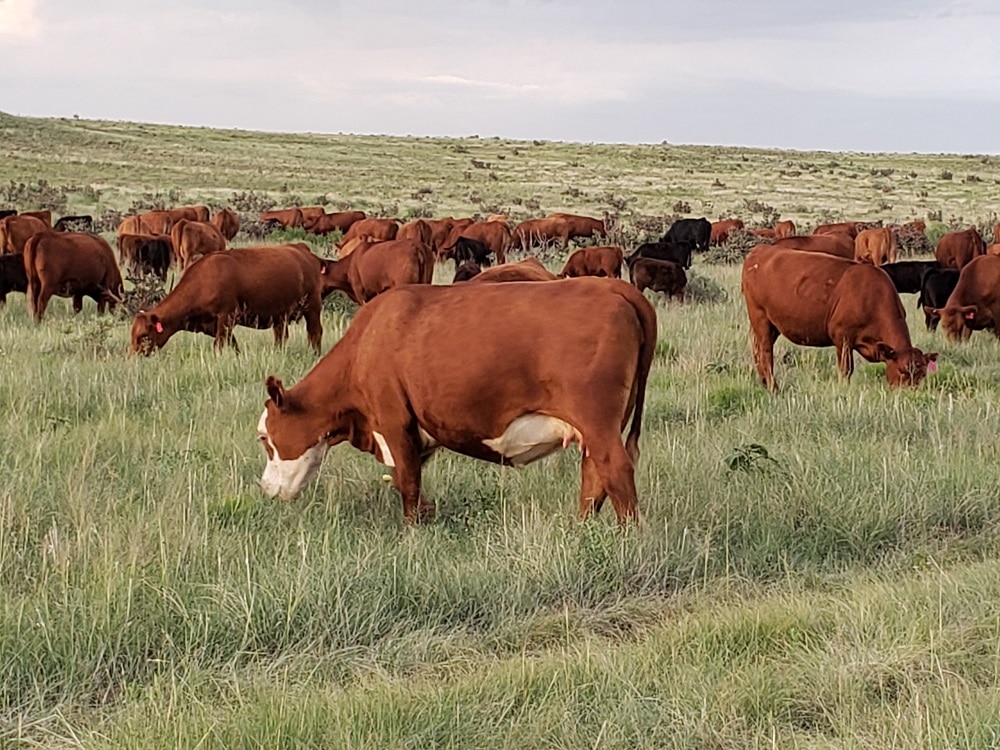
point(856, 75)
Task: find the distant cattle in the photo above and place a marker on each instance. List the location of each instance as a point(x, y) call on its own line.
point(16, 230)
point(287, 218)
point(254, 287)
point(696, 232)
point(822, 300)
point(12, 276)
point(70, 264)
point(956, 249)
point(721, 229)
point(595, 261)
point(529, 269)
point(767, 233)
point(311, 214)
point(155, 222)
point(374, 268)
point(784, 229)
point(227, 222)
point(840, 244)
point(440, 231)
point(678, 252)
point(418, 230)
point(582, 226)
point(191, 213)
point(907, 274)
point(379, 229)
point(494, 234)
point(876, 246)
point(335, 222)
point(662, 276)
point(131, 225)
point(467, 249)
point(497, 217)
point(841, 227)
point(534, 232)
point(193, 239)
point(82, 223)
point(936, 287)
point(974, 304)
point(145, 254)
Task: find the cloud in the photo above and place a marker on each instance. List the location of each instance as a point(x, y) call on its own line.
point(18, 19)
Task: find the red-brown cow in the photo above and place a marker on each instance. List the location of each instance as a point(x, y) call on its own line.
point(43, 215)
point(379, 229)
point(529, 269)
point(955, 249)
point(193, 239)
point(721, 230)
point(840, 227)
point(374, 268)
point(254, 287)
point(336, 222)
point(595, 261)
point(581, 226)
point(840, 244)
point(784, 229)
point(191, 213)
point(311, 214)
point(130, 225)
point(765, 233)
point(71, 264)
point(145, 253)
point(974, 305)
point(288, 218)
point(494, 234)
point(400, 392)
point(155, 222)
point(418, 230)
point(663, 276)
point(822, 300)
point(875, 246)
point(16, 230)
point(227, 222)
point(540, 231)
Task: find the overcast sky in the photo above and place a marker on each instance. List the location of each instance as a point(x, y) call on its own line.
point(869, 75)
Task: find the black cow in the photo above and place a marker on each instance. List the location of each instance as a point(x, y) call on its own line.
point(906, 274)
point(12, 275)
point(152, 256)
point(83, 223)
point(678, 252)
point(466, 271)
point(697, 232)
point(936, 287)
point(659, 275)
point(4, 213)
point(468, 249)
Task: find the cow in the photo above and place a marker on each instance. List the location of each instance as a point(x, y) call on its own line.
point(594, 261)
point(146, 254)
point(678, 252)
point(467, 249)
point(130, 225)
point(906, 275)
point(44, 215)
point(311, 214)
point(227, 222)
point(996, 233)
point(582, 226)
point(497, 217)
point(353, 244)
point(840, 244)
point(696, 232)
point(335, 222)
point(379, 229)
point(193, 239)
point(974, 305)
point(440, 231)
point(663, 276)
point(840, 227)
point(765, 233)
point(494, 234)
point(16, 230)
point(254, 287)
point(155, 222)
point(529, 269)
point(418, 230)
point(191, 213)
point(936, 287)
point(956, 249)
point(721, 229)
point(533, 232)
point(70, 264)
point(12, 276)
point(466, 271)
point(784, 229)
point(286, 218)
point(374, 268)
point(823, 300)
point(83, 223)
point(401, 392)
point(876, 246)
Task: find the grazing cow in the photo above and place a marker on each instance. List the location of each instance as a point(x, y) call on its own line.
point(335, 222)
point(696, 232)
point(678, 252)
point(822, 300)
point(936, 287)
point(5, 212)
point(529, 269)
point(155, 222)
point(12, 276)
point(15, 231)
point(721, 229)
point(907, 274)
point(594, 261)
point(374, 268)
point(379, 229)
point(418, 230)
point(533, 232)
point(193, 239)
point(765, 233)
point(956, 249)
point(43, 215)
point(840, 244)
point(440, 231)
point(582, 226)
point(227, 222)
point(784, 229)
point(875, 246)
point(494, 234)
point(466, 271)
point(287, 218)
point(840, 227)
point(145, 254)
point(974, 305)
point(254, 287)
point(130, 225)
point(659, 275)
point(71, 264)
point(191, 213)
point(467, 249)
point(84, 223)
point(311, 214)
point(400, 392)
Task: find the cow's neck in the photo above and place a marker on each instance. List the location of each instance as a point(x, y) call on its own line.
point(337, 277)
point(327, 395)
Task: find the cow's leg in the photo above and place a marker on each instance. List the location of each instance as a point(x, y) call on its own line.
point(77, 303)
point(592, 492)
point(41, 303)
point(102, 302)
point(616, 472)
point(406, 476)
point(845, 358)
point(224, 333)
point(763, 335)
point(314, 324)
point(280, 329)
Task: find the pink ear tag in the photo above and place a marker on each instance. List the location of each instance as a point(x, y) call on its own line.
point(322, 269)
point(931, 367)
point(159, 327)
point(970, 316)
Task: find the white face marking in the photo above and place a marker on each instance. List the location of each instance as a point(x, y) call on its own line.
point(383, 448)
point(533, 436)
point(286, 477)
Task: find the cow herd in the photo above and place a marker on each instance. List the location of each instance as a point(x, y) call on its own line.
point(503, 372)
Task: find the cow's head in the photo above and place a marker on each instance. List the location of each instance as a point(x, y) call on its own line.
point(905, 367)
point(294, 440)
point(958, 321)
point(148, 333)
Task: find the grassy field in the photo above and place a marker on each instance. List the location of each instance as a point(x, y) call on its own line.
point(839, 589)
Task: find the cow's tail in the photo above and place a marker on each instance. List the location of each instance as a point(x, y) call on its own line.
point(425, 264)
point(34, 283)
point(646, 314)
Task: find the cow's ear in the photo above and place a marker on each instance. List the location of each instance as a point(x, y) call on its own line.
point(275, 390)
point(931, 356)
point(885, 352)
point(934, 312)
point(968, 312)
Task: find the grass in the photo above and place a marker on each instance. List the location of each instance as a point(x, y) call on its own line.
point(840, 592)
